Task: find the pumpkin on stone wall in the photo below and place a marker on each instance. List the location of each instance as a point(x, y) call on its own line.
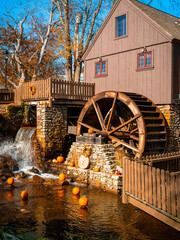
point(60, 159)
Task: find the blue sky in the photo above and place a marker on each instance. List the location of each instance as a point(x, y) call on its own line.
point(20, 6)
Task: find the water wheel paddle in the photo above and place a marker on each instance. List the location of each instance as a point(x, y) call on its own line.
point(128, 120)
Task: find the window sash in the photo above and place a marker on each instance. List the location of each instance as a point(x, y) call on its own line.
point(145, 60)
point(100, 68)
point(121, 26)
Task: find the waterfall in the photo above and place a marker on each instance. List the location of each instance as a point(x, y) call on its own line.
point(20, 149)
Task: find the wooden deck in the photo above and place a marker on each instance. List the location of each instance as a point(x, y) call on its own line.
point(51, 90)
point(6, 96)
point(155, 191)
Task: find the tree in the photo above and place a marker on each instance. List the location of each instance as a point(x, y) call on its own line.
point(77, 18)
point(28, 49)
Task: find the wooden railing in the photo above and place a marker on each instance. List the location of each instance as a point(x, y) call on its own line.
point(42, 91)
point(72, 90)
point(52, 89)
point(153, 190)
point(167, 161)
point(6, 96)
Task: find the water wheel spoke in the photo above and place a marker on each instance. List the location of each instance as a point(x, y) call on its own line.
point(99, 114)
point(111, 113)
point(134, 130)
point(88, 126)
point(125, 124)
point(125, 144)
point(134, 137)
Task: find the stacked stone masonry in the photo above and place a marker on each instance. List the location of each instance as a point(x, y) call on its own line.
point(102, 156)
point(172, 116)
point(51, 131)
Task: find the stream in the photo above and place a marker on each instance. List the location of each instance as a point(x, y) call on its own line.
point(53, 212)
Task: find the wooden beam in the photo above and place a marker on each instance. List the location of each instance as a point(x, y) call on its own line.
point(99, 114)
point(124, 124)
point(157, 213)
point(112, 109)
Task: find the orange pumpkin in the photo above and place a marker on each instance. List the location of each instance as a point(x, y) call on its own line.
point(62, 177)
point(24, 194)
point(60, 159)
point(96, 169)
point(76, 190)
point(10, 181)
point(83, 201)
point(71, 164)
point(91, 130)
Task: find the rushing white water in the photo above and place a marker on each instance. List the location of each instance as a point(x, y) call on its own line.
point(20, 149)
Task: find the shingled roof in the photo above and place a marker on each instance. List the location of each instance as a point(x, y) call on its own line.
point(169, 23)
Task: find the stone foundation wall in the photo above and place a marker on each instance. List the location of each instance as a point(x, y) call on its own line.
point(51, 132)
point(172, 116)
point(102, 180)
point(101, 156)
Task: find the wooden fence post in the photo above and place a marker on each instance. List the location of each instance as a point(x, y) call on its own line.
point(124, 178)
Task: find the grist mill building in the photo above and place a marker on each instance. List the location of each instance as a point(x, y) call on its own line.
point(137, 49)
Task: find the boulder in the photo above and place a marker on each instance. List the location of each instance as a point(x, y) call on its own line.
point(35, 170)
point(37, 178)
point(21, 174)
point(11, 162)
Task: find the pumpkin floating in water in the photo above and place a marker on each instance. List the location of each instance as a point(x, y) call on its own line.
point(83, 201)
point(76, 190)
point(10, 181)
point(91, 130)
point(60, 159)
point(24, 194)
point(62, 177)
point(71, 164)
point(96, 169)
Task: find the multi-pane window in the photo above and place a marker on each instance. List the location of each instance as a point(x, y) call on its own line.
point(144, 60)
point(121, 26)
point(100, 68)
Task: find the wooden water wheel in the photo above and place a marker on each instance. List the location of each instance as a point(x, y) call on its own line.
point(129, 120)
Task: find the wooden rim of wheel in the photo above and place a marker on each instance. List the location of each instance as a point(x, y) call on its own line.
point(106, 129)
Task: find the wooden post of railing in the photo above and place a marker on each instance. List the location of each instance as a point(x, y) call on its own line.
point(125, 182)
point(50, 92)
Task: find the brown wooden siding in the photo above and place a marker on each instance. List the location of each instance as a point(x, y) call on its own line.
point(123, 75)
point(140, 32)
point(121, 54)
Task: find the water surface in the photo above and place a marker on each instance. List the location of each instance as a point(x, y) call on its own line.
point(54, 213)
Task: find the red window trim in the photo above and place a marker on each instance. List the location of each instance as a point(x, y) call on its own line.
point(145, 53)
point(101, 74)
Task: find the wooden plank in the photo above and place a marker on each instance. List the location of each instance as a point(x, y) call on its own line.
point(139, 184)
point(143, 181)
point(178, 194)
point(124, 197)
point(163, 189)
point(168, 193)
point(132, 189)
point(154, 186)
point(153, 212)
point(146, 184)
point(150, 184)
point(135, 178)
point(129, 176)
point(158, 188)
point(173, 194)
